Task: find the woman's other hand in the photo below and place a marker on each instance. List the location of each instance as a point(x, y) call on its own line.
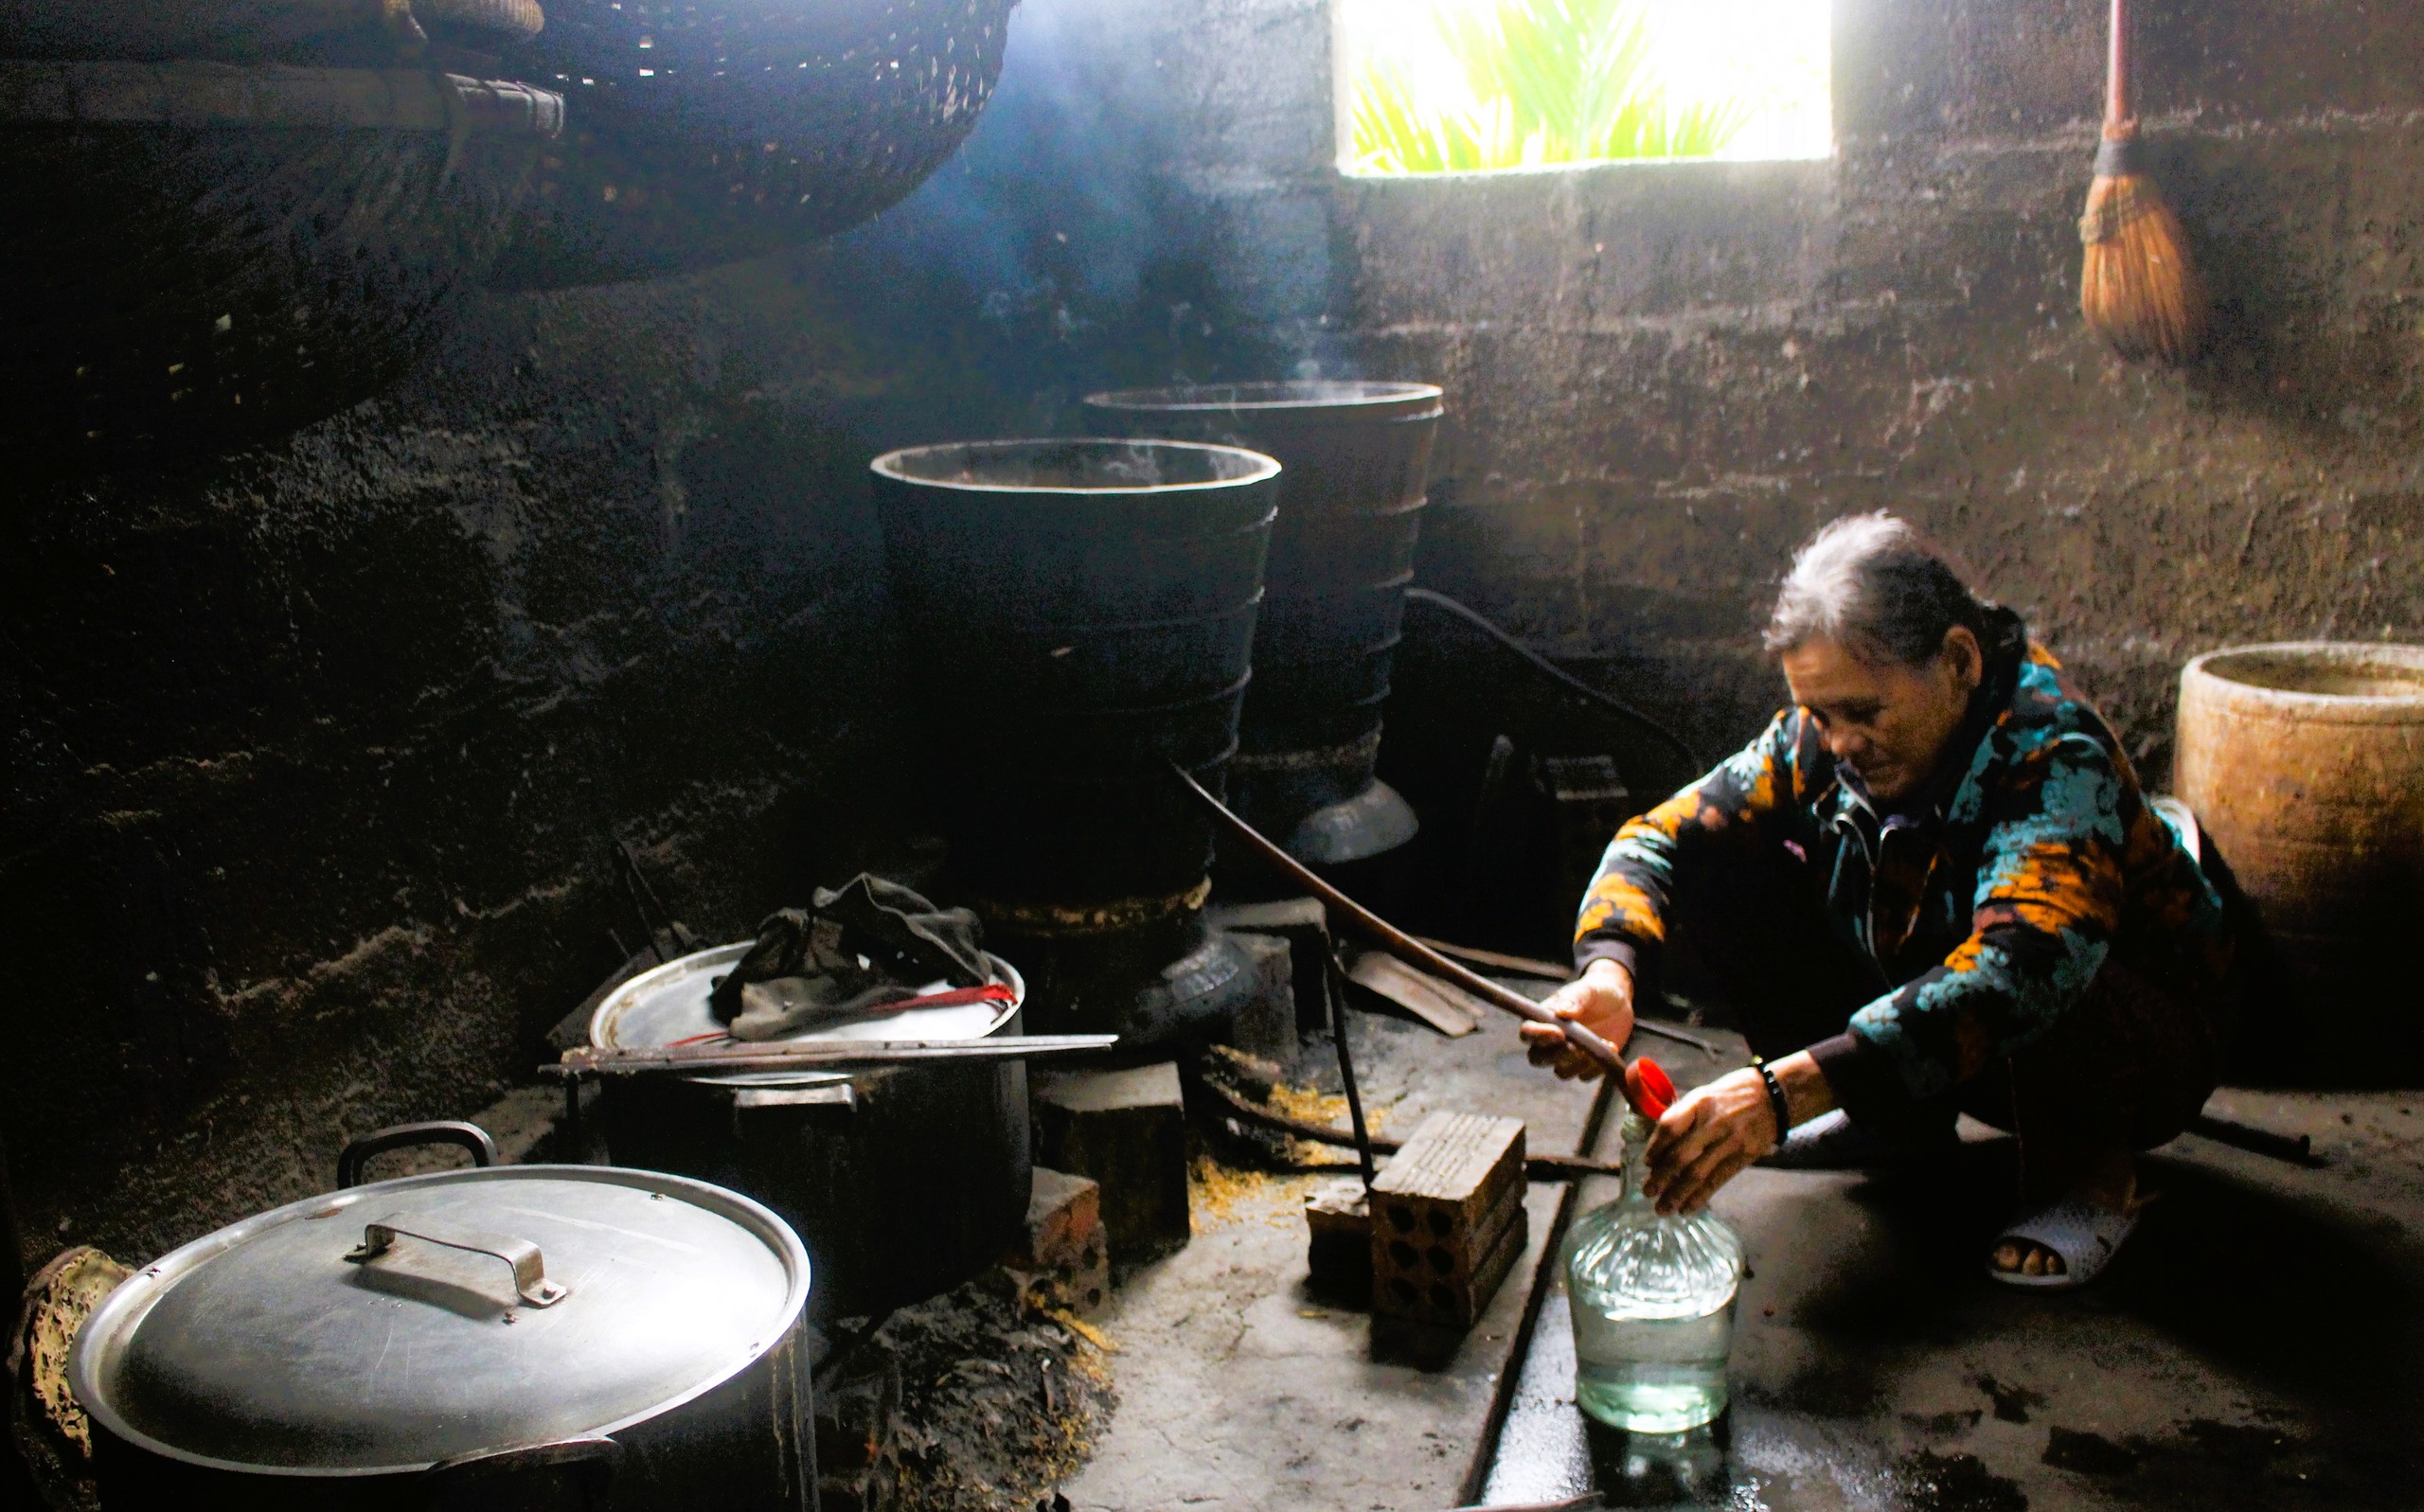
point(1600, 1000)
point(1713, 1130)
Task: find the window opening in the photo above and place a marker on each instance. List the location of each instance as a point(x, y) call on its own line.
point(1438, 86)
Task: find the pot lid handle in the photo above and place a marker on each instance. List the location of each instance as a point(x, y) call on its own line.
point(357, 1154)
point(530, 1270)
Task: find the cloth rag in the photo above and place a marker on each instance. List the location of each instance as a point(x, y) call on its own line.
point(858, 947)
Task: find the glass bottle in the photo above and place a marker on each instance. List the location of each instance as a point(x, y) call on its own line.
point(1652, 1299)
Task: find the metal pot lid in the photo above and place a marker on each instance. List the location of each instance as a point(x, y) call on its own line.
point(1319, 400)
point(669, 1006)
point(294, 1341)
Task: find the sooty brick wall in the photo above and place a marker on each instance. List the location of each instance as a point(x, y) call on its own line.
point(317, 756)
point(1669, 376)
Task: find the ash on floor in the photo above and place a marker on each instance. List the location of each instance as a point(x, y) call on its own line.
point(983, 1399)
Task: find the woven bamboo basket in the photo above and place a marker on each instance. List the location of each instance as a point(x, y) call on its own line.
point(199, 257)
point(703, 132)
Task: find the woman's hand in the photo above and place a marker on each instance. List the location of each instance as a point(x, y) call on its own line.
point(1716, 1130)
point(1601, 1001)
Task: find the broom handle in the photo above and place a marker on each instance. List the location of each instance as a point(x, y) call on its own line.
point(2117, 111)
point(1398, 943)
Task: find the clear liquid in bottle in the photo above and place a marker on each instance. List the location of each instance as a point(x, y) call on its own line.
point(1652, 1300)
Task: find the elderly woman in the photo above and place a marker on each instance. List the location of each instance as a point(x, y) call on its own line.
point(1931, 887)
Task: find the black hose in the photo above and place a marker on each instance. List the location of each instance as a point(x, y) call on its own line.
point(1556, 673)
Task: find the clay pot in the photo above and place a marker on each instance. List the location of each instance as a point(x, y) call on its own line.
point(2305, 763)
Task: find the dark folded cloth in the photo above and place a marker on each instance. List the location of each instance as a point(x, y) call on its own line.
point(860, 947)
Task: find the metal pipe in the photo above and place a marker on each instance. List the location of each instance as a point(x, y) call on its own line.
point(1338, 1031)
point(2297, 1149)
point(1552, 671)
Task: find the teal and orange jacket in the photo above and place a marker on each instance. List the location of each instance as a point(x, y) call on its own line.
point(1987, 901)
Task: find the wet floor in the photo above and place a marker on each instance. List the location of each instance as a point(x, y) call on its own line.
point(2259, 1345)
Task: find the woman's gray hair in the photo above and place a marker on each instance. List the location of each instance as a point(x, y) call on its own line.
point(1872, 585)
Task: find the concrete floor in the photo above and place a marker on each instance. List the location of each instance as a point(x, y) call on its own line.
point(2259, 1345)
point(1240, 1389)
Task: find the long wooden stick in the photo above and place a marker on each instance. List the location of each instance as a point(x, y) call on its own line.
point(1551, 971)
point(1402, 945)
point(2118, 107)
point(2297, 1149)
point(1523, 964)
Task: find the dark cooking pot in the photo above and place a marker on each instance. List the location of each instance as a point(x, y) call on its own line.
point(1356, 460)
point(903, 1180)
point(515, 1336)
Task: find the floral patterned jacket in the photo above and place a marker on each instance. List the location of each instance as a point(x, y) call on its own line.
point(1988, 904)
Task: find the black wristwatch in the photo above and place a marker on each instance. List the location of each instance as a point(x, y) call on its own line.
point(1776, 1097)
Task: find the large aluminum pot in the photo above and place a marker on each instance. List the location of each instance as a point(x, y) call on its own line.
point(903, 1180)
point(522, 1335)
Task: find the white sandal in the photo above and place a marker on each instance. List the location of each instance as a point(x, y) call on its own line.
point(2085, 1235)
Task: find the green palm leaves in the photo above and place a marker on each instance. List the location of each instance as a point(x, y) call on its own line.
point(1550, 80)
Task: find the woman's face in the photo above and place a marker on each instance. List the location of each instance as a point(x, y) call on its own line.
point(1887, 721)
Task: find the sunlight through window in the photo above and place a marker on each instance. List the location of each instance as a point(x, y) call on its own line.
point(1440, 86)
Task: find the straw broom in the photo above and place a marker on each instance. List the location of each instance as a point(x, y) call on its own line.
point(2137, 288)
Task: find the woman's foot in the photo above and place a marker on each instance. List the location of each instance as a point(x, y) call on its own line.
point(2105, 1202)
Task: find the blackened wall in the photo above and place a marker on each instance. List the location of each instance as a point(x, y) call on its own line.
point(316, 755)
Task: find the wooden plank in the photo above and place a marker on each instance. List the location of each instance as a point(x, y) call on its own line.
point(1446, 1008)
point(1125, 1129)
point(1518, 964)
